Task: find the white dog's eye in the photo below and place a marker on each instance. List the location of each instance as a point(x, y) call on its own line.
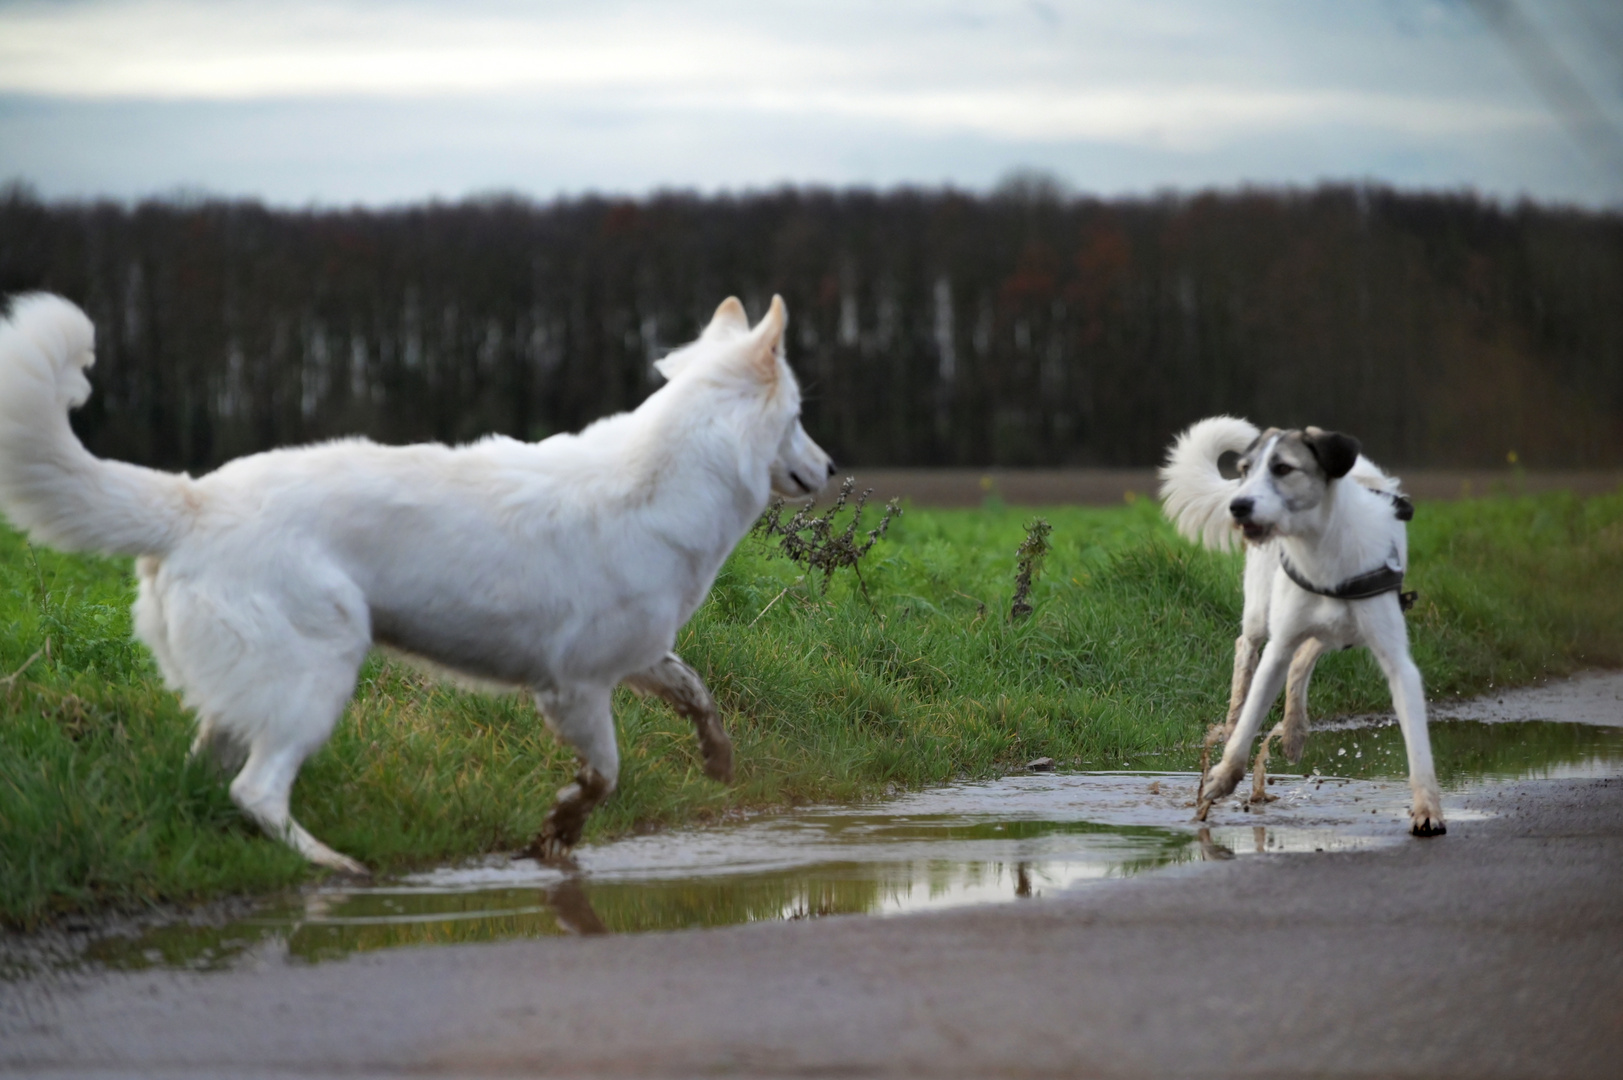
point(1279, 468)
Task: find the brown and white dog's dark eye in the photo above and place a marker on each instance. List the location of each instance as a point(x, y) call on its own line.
point(1279, 468)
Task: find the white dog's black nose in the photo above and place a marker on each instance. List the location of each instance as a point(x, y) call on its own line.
point(1241, 508)
point(831, 470)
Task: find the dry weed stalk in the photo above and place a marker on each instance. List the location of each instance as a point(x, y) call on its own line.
point(1029, 559)
point(811, 541)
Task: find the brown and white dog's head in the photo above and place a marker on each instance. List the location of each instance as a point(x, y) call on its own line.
point(1285, 476)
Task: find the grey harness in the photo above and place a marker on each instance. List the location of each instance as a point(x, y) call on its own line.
point(1383, 579)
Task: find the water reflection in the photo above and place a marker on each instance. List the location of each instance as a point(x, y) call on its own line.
point(1016, 838)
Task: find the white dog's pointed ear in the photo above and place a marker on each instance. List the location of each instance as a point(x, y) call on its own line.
point(768, 343)
point(728, 321)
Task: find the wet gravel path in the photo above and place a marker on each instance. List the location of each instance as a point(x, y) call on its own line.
point(1496, 951)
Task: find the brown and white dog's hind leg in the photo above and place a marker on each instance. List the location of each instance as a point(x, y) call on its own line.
point(1259, 767)
point(1247, 651)
point(581, 716)
point(680, 685)
point(1293, 729)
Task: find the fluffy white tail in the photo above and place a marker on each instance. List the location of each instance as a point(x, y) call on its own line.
point(1194, 494)
point(50, 484)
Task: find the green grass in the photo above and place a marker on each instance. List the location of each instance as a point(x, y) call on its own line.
point(1126, 658)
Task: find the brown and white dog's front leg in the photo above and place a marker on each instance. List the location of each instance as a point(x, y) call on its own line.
point(1381, 623)
point(1247, 651)
point(1291, 731)
point(581, 716)
point(1265, 687)
point(680, 685)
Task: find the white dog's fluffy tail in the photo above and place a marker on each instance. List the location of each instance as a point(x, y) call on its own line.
point(50, 484)
point(1194, 494)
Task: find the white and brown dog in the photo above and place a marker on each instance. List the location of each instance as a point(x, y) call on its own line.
point(564, 566)
point(1324, 569)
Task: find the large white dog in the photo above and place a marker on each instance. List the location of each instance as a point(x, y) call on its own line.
point(1323, 570)
point(565, 566)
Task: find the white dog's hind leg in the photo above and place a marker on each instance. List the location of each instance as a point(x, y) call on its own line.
point(1381, 622)
point(269, 671)
point(261, 791)
point(680, 685)
point(298, 700)
point(215, 745)
point(1265, 687)
point(582, 717)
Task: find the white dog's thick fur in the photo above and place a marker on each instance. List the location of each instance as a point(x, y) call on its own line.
point(565, 566)
point(1290, 501)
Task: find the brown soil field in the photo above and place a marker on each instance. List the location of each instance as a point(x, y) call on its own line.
point(1107, 487)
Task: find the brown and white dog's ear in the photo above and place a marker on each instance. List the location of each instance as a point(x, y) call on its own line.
point(768, 343)
point(729, 321)
point(1337, 453)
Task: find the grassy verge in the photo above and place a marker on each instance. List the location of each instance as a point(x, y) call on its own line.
point(829, 696)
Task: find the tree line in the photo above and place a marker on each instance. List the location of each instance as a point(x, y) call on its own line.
point(928, 327)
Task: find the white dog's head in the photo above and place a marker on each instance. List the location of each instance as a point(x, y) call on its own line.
point(1284, 476)
point(752, 360)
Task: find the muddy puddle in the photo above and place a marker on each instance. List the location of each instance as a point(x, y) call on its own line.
point(1001, 841)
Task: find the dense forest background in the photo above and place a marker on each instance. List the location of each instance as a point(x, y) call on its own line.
point(928, 327)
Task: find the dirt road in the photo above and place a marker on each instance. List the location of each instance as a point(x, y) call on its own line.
point(1496, 951)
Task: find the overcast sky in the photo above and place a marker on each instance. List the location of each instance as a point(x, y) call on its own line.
point(387, 101)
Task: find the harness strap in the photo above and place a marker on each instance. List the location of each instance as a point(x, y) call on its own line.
point(1383, 579)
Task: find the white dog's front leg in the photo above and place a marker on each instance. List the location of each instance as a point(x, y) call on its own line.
point(1265, 687)
point(673, 680)
point(1381, 622)
point(582, 717)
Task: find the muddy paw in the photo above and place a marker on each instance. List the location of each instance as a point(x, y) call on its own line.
point(1219, 782)
point(1426, 811)
point(551, 851)
point(718, 760)
point(351, 871)
point(560, 832)
point(1426, 824)
point(1292, 743)
point(340, 864)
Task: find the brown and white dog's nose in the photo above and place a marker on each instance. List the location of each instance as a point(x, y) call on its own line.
point(1241, 508)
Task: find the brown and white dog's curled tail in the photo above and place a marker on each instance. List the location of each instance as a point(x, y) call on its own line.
point(50, 485)
point(1194, 493)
